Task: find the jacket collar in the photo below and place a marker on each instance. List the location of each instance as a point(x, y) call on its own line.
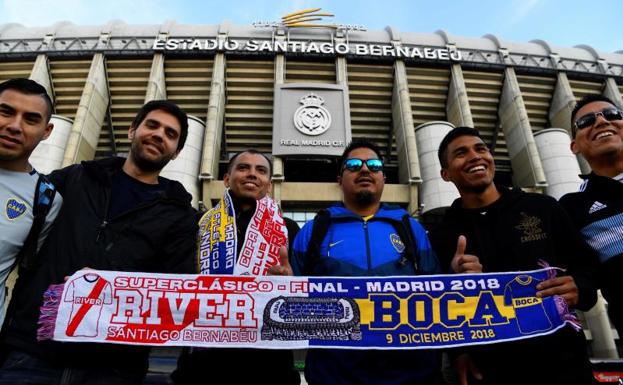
point(507, 195)
point(593, 181)
point(103, 170)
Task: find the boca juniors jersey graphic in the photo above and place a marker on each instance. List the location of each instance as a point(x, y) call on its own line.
point(529, 310)
point(86, 310)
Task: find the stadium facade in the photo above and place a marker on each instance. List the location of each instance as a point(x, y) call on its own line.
point(303, 93)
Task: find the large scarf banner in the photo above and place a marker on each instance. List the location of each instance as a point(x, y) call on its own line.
point(417, 312)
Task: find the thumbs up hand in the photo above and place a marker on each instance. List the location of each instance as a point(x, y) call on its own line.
point(464, 263)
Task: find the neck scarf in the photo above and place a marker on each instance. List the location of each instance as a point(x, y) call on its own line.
point(218, 242)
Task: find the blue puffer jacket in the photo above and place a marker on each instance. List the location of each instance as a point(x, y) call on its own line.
point(353, 247)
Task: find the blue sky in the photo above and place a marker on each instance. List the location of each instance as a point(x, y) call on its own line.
point(562, 23)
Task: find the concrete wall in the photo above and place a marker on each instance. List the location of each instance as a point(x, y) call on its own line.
point(48, 156)
point(559, 163)
point(435, 193)
point(185, 168)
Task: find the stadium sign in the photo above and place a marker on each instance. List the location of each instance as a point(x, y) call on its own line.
point(306, 47)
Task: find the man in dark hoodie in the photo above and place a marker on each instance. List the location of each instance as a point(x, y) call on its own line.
point(118, 214)
point(510, 230)
point(597, 210)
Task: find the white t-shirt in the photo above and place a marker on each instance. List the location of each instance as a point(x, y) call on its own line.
point(17, 195)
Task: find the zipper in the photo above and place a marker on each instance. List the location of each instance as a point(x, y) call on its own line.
point(365, 229)
point(106, 221)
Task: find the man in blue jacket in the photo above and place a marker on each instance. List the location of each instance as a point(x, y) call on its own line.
point(363, 237)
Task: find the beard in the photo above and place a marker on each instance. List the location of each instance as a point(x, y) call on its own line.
point(364, 198)
point(145, 164)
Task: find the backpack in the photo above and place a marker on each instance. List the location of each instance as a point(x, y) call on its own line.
point(323, 220)
point(44, 196)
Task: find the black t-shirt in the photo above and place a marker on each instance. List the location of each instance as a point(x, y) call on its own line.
point(126, 193)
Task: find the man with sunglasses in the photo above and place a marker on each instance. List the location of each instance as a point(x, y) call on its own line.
point(597, 210)
point(363, 237)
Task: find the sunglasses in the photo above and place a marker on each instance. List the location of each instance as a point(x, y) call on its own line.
point(588, 120)
point(355, 164)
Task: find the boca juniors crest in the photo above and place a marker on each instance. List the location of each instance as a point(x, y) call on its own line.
point(14, 208)
point(300, 312)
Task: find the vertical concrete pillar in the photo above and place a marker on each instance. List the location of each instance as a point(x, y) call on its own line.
point(527, 167)
point(611, 91)
point(280, 77)
point(562, 103)
point(603, 345)
point(214, 128)
point(41, 74)
point(341, 71)
point(560, 110)
point(402, 121)
point(185, 168)
point(559, 164)
point(457, 104)
point(48, 156)
point(156, 86)
point(90, 115)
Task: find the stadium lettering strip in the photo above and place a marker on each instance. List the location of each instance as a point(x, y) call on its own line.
point(307, 47)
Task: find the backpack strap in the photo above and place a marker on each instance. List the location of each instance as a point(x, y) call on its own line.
point(44, 196)
point(323, 220)
point(405, 232)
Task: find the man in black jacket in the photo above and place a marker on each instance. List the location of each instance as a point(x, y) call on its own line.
point(248, 179)
point(510, 230)
point(597, 210)
point(118, 214)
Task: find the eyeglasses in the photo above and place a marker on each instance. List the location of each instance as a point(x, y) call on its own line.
point(355, 164)
point(588, 120)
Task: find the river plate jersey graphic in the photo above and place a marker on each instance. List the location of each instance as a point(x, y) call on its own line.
point(529, 310)
point(86, 310)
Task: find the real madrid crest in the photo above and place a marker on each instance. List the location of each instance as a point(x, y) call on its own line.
point(312, 118)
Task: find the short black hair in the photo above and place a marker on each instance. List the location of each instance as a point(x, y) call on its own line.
point(253, 151)
point(353, 145)
point(457, 132)
point(587, 99)
point(29, 87)
point(166, 106)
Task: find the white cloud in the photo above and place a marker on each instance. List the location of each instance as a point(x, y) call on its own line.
point(521, 9)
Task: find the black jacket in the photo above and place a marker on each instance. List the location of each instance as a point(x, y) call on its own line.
point(597, 212)
point(156, 236)
point(513, 234)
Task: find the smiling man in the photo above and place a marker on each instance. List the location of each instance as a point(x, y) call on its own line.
point(247, 181)
point(363, 237)
point(25, 110)
point(510, 230)
point(118, 214)
point(597, 210)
